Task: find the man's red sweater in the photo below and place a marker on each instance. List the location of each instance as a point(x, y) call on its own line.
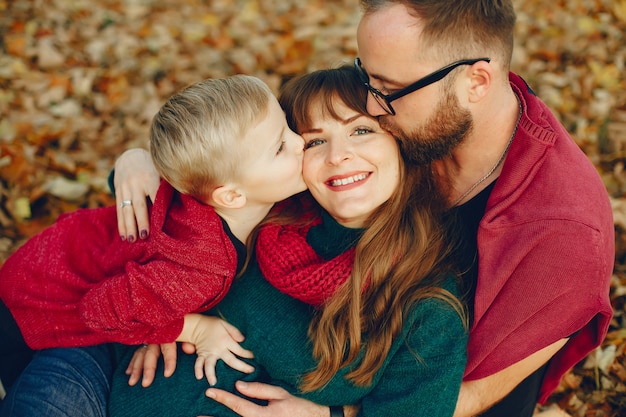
point(546, 251)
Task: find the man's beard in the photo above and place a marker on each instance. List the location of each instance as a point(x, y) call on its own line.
point(436, 138)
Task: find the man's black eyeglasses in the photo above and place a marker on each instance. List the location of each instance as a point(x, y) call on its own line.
point(384, 100)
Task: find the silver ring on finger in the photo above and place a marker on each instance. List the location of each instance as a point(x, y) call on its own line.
point(125, 203)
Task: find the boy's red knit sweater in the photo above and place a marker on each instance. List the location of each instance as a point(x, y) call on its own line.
point(78, 284)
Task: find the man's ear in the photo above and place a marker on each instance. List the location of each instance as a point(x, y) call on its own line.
point(228, 196)
point(481, 77)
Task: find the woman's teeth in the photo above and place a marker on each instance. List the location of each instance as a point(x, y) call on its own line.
point(348, 180)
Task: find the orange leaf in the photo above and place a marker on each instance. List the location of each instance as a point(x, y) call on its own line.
point(15, 44)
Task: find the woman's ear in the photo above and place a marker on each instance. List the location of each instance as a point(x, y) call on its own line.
point(228, 196)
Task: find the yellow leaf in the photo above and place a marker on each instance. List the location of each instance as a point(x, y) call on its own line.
point(586, 25)
point(619, 8)
point(21, 208)
point(210, 19)
point(607, 76)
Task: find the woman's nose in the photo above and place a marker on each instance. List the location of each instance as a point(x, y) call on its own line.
point(338, 151)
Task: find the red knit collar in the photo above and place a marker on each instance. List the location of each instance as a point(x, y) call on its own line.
point(291, 265)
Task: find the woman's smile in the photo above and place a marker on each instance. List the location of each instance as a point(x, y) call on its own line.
point(340, 181)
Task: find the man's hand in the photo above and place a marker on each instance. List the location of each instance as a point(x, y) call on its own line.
point(280, 402)
point(144, 362)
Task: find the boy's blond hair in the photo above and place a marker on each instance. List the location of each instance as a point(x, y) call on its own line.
point(194, 136)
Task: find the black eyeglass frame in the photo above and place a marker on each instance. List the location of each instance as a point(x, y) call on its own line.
point(384, 100)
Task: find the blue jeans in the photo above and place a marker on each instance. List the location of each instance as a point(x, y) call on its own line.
point(63, 382)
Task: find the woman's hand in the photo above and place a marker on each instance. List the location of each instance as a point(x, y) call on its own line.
point(135, 180)
point(144, 362)
point(214, 339)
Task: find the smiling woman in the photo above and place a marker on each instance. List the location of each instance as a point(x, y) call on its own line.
point(351, 165)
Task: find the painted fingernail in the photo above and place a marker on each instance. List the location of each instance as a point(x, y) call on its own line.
point(143, 234)
point(131, 238)
point(123, 237)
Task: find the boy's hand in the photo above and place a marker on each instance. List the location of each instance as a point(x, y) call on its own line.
point(215, 339)
point(144, 363)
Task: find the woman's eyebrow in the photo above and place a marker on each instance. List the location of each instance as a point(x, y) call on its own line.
point(312, 130)
point(351, 119)
point(342, 121)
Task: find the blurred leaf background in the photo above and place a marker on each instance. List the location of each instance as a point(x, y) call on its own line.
point(80, 81)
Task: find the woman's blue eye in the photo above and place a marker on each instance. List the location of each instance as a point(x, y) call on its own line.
point(312, 143)
point(362, 131)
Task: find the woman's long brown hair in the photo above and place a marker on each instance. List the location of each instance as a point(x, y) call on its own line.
point(399, 260)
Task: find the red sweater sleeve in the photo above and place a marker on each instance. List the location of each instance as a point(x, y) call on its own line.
point(78, 284)
point(147, 303)
point(189, 268)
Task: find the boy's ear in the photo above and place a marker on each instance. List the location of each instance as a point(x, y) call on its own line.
point(228, 196)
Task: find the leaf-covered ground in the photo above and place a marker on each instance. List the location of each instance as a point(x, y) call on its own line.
point(80, 80)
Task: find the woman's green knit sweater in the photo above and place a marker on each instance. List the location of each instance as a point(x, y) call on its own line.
point(421, 376)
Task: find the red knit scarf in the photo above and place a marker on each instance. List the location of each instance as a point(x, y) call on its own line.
point(291, 265)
